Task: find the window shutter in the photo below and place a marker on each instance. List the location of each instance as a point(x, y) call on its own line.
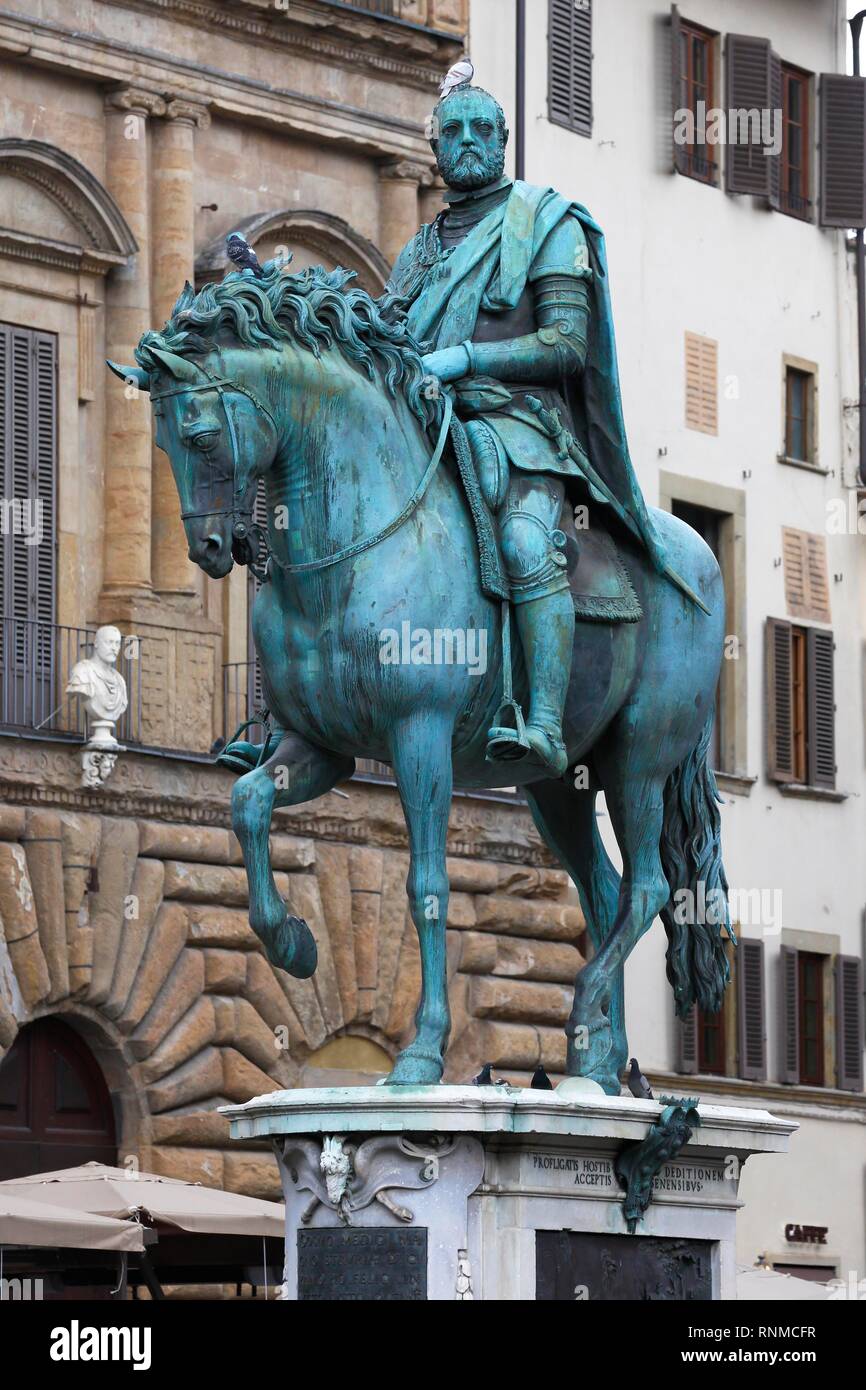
point(807, 585)
point(569, 65)
point(775, 160)
point(676, 85)
point(780, 713)
point(751, 75)
point(821, 708)
point(789, 1017)
point(751, 1029)
point(843, 150)
point(849, 1023)
point(687, 1042)
point(702, 390)
point(28, 448)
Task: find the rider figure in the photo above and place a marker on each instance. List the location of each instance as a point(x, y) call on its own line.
point(523, 327)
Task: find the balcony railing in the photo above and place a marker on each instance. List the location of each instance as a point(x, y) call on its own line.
point(35, 664)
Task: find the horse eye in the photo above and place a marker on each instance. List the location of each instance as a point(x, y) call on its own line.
point(205, 440)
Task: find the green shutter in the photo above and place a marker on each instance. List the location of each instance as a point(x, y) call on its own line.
point(569, 64)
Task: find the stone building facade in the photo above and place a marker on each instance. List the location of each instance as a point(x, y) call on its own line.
point(135, 136)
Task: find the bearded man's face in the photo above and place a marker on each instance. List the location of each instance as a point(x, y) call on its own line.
point(470, 150)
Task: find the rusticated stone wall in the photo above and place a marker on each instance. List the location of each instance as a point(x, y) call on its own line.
point(124, 910)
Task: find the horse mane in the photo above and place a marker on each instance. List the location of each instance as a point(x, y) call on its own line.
point(317, 309)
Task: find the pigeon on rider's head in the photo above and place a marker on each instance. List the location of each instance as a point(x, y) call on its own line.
point(540, 1080)
point(241, 254)
point(460, 75)
point(637, 1082)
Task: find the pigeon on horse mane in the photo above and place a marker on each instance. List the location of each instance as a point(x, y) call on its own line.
point(460, 75)
point(242, 255)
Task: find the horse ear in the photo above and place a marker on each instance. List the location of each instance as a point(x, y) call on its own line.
point(135, 374)
point(179, 367)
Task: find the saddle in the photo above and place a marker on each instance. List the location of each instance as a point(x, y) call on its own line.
point(601, 589)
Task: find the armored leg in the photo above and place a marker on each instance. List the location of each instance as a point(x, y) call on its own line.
point(535, 565)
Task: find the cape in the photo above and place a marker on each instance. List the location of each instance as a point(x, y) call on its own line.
point(489, 270)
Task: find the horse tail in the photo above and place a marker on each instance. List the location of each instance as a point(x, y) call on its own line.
point(697, 909)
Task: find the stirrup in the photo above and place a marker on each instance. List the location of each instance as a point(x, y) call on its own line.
point(504, 743)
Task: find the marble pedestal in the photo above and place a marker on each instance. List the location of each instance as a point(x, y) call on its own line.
point(450, 1192)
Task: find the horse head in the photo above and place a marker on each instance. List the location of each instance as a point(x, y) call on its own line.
point(219, 437)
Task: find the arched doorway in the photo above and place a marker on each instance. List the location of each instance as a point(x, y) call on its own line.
point(55, 1108)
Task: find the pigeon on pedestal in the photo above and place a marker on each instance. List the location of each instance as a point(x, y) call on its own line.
point(637, 1082)
point(540, 1080)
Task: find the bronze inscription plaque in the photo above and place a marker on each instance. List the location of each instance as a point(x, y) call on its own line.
point(571, 1266)
point(372, 1264)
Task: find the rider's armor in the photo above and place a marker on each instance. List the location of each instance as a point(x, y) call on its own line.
point(531, 349)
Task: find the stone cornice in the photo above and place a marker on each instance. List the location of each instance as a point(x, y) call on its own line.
point(231, 94)
point(146, 785)
point(409, 52)
point(57, 254)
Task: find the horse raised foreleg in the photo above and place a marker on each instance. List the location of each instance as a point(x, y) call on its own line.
point(297, 771)
point(421, 755)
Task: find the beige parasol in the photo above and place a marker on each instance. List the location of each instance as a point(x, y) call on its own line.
point(99, 1190)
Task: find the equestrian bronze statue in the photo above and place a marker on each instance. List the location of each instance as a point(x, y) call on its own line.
point(450, 463)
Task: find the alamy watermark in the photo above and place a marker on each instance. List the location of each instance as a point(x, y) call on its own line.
point(752, 126)
point(22, 516)
point(438, 646)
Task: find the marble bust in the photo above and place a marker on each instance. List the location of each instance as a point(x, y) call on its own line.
point(100, 685)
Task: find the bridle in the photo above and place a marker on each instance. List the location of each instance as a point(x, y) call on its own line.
point(249, 546)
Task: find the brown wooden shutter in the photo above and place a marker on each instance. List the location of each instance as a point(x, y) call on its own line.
point(569, 65)
point(821, 705)
point(849, 1023)
point(751, 1008)
point(687, 1042)
point(780, 711)
point(679, 158)
point(751, 75)
point(843, 150)
point(807, 583)
point(789, 1018)
point(702, 383)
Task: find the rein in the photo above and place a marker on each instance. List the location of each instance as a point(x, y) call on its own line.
point(358, 547)
point(240, 529)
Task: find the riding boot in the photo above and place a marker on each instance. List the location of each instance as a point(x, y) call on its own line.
point(546, 627)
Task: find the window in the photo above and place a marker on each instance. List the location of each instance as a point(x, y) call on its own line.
point(798, 415)
point(702, 390)
point(711, 1043)
point(820, 987)
point(708, 525)
point(28, 537)
point(801, 710)
point(795, 170)
point(694, 59)
point(810, 992)
point(731, 1042)
point(718, 514)
point(569, 64)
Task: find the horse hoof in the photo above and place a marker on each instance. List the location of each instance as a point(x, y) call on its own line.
point(415, 1069)
point(294, 949)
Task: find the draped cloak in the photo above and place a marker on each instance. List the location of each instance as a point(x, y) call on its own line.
point(489, 271)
